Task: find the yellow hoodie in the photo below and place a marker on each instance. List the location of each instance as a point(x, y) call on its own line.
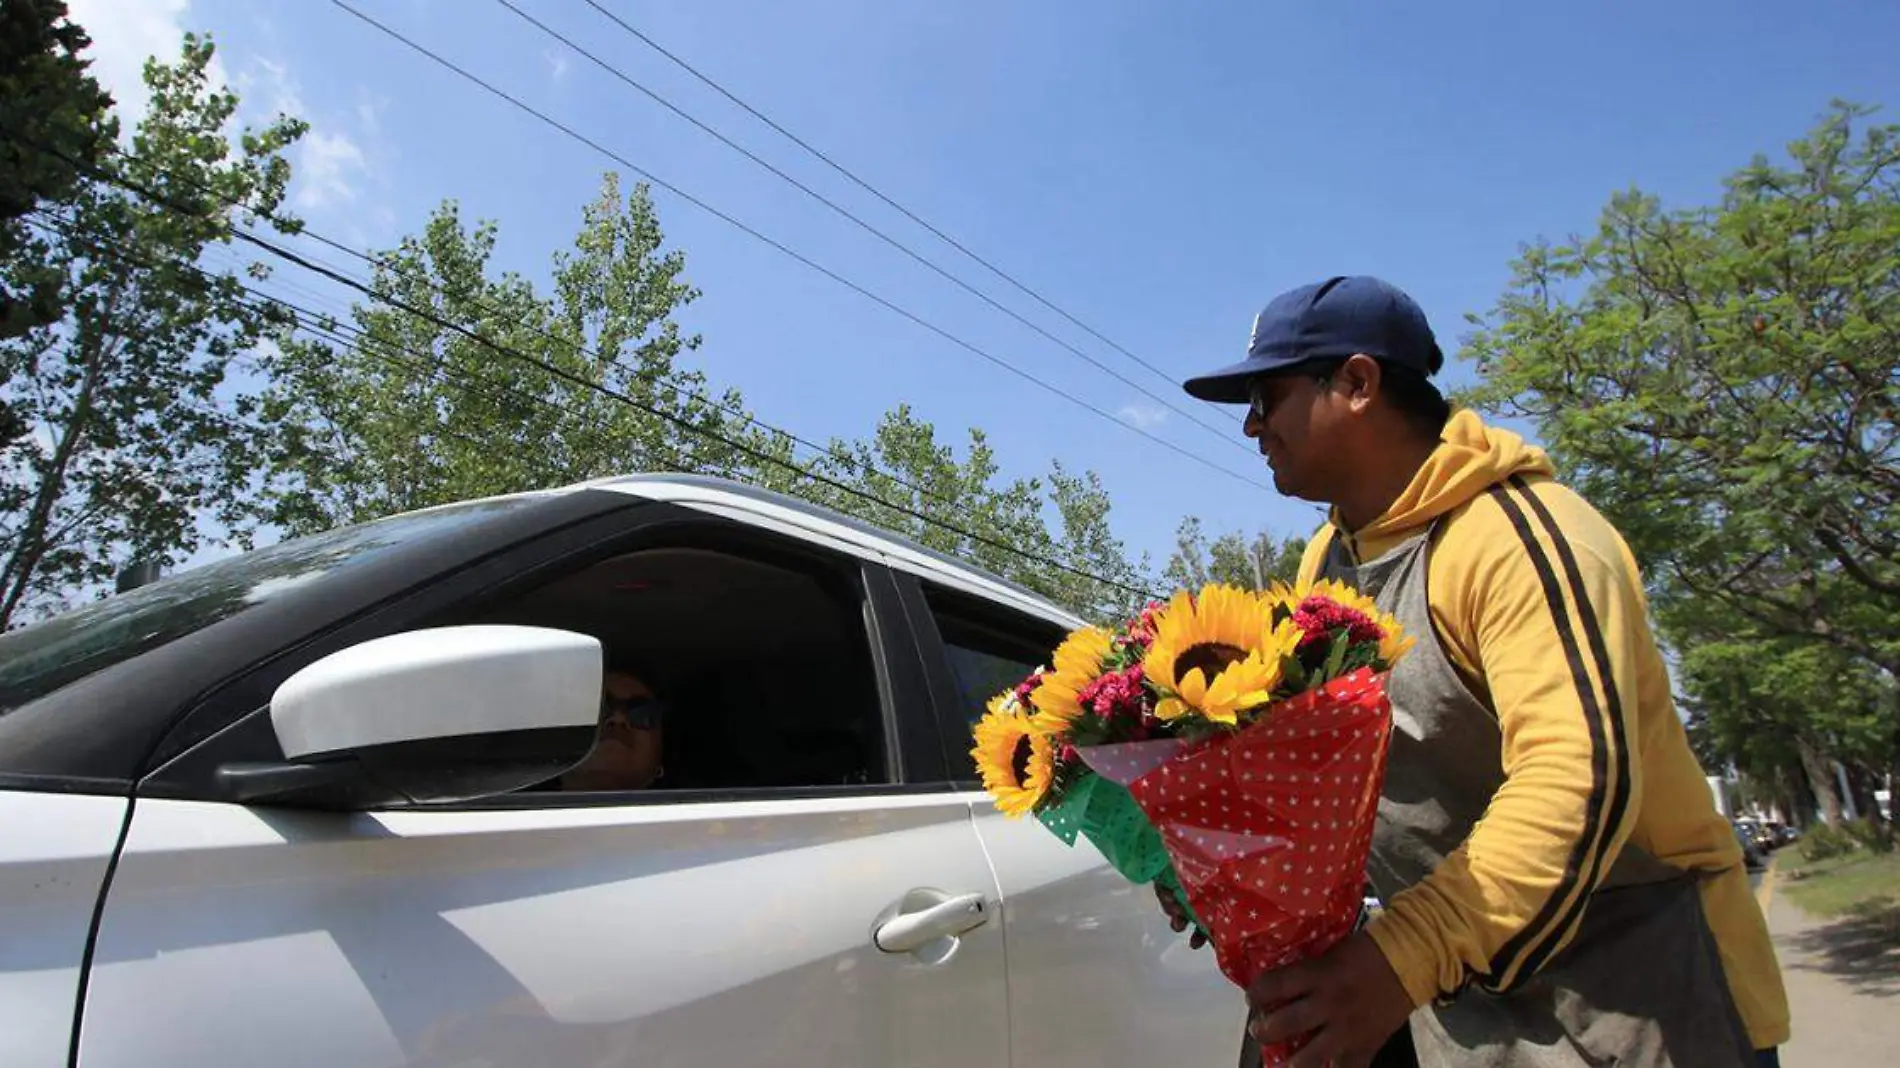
point(1495, 620)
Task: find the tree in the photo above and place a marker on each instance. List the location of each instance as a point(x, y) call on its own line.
point(1232, 558)
point(455, 383)
point(1012, 527)
point(52, 116)
point(494, 388)
point(1784, 709)
point(1724, 383)
point(130, 441)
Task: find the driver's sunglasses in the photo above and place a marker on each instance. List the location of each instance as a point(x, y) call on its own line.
point(645, 713)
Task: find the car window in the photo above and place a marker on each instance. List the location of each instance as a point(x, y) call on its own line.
point(989, 649)
point(758, 661)
point(38, 659)
point(981, 675)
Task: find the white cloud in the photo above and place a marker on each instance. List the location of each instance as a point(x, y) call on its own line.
point(369, 115)
point(557, 64)
point(278, 92)
point(124, 34)
point(328, 163)
point(1144, 416)
point(328, 166)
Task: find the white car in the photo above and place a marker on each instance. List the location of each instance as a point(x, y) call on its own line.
point(289, 809)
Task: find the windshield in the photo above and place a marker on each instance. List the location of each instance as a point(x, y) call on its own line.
point(39, 659)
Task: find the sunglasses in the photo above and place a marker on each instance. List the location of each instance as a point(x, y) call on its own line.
point(645, 713)
point(1260, 400)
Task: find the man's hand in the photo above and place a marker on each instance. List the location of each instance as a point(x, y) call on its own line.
point(1178, 917)
point(1349, 1000)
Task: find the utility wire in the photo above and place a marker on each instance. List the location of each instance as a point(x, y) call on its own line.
point(464, 295)
point(1225, 434)
point(814, 265)
point(861, 183)
point(617, 395)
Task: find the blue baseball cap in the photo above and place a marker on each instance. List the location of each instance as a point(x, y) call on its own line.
point(1342, 316)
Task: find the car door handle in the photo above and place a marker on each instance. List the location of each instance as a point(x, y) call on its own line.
point(937, 917)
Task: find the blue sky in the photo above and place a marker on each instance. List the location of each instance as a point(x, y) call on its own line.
point(1157, 170)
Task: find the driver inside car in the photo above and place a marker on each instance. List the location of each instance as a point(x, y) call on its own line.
point(628, 745)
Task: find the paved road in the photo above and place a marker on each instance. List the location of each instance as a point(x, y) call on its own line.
point(1843, 987)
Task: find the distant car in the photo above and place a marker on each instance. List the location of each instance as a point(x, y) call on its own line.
point(1758, 833)
point(1752, 853)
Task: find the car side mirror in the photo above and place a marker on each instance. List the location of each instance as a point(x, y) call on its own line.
point(430, 716)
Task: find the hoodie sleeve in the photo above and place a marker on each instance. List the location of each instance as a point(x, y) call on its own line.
point(1541, 598)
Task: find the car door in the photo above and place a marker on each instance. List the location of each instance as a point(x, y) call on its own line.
point(53, 856)
point(1096, 975)
point(639, 929)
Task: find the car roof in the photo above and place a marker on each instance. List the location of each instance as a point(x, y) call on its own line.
point(814, 523)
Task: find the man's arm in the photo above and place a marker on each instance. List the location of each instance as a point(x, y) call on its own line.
point(1554, 613)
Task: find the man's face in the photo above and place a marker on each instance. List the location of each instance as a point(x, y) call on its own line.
point(1293, 419)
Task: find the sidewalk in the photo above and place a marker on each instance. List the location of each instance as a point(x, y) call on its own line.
point(1843, 987)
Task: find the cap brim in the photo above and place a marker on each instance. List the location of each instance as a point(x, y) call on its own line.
point(1229, 385)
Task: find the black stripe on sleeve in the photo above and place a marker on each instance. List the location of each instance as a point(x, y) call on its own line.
point(1555, 917)
point(1600, 655)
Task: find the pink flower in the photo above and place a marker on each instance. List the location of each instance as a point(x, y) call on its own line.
point(1141, 630)
point(1319, 618)
point(1027, 687)
point(1114, 693)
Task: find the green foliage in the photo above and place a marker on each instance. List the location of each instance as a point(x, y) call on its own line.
point(1759, 699)
point(49, 108)
point(401, 412)
point(1825, 841)
point(1064, 518)
point(133, 432)
point(1724, 383)
point(1870, 834)
point(1231, 559)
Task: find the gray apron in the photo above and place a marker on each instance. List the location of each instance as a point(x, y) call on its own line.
point(1640, 984)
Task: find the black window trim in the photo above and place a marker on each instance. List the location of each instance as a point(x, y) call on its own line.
point(914, 763)
point(947, 699)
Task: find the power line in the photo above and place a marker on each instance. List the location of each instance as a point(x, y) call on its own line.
point(616, 395)
point(1224, 433)
point(714, 85)
point(670, 383)
point(337, 275)
point(780, 246)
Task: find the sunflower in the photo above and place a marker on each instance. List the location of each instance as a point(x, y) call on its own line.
point(1078, 662)
point(1215, 655)
point(1017, 763)
point(1393, 641)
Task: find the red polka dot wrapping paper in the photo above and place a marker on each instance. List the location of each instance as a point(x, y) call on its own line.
point(1269, 827)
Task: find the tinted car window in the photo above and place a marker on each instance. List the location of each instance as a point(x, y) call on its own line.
point(41, 658)
point(982, 675)
point(989, 649)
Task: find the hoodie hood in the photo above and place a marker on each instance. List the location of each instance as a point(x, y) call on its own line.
point(1471, 458)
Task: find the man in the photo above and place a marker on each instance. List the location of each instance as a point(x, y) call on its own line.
point(628, 747)
point(1559, 887)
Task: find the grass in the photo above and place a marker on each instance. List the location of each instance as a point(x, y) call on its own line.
point(1856, 896)
point(1861, 884)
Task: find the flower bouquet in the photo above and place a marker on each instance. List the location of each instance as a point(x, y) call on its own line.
point(1226, 745)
